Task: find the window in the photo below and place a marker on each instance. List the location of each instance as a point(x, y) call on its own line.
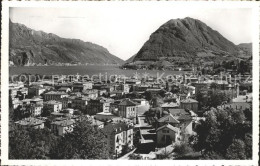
point(165, 131)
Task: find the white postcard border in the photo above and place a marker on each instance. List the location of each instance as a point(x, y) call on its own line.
point(5, 76)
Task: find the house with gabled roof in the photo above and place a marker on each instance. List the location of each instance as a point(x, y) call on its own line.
point(189, 103)
point(167, 134)
point(168, 119)
point(127, 109)
point(62, 127)
point(168, 105)
point(118, 135)
point(30, 122)
point(178, 118)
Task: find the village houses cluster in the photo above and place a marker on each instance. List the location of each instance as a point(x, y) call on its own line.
point(120, 108)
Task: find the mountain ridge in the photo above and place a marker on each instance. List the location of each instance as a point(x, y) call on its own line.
point(28, 46)
point(186, 40)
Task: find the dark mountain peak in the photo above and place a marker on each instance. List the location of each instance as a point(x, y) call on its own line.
point(185, 39)
point(28, 46)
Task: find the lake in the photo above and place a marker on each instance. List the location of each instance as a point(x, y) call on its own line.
point(84, 70)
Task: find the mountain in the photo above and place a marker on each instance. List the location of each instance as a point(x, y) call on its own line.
point(27, 47)
point(130, 59)
point(245, 49)
point(186, 40)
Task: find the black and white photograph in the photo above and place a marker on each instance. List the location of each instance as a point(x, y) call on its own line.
point(130, 81)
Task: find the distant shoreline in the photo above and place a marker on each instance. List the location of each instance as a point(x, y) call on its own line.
point(84, 69)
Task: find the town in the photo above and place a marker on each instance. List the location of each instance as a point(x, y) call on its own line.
point(139, 117)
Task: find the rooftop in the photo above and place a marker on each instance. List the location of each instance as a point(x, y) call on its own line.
point(178, 112)
point(96, 122)
point(52, 102)
point(127, 102)
point(64, 123)
point(168, 118)
point(55, 93)
point(175, 129)
point(30, 122)
point(189, 100)
point(170, 104)
point(116, 128)
point(243, 98)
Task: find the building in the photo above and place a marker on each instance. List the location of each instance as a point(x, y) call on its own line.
point(190, 104)
point(141, 87)
point(186, 122)
point(13, 92)
point(16, 102)
point(116, 94)
point(54, 95)
point(64, 89)
point(200, 87)
point(167, 119)
point(178, 118)
point(237, 106)
point(53, 106)
point(79, 103)
point(62, 127)
point(169, 105)
point(36, 109)
point(37, 101)
point(81, 86)
point(99, 105)
point(22, 93)
point(65, 102)
point(90, 93)
point(167, 134)
point(97, 123)
point(68, 111)
point(119, 136)
point(101, 92)
point(133, 81)
point(127, 109)
point(35, 90)
point(124, 87)
point(30, 122)
point(104, 116)
point(141, 102)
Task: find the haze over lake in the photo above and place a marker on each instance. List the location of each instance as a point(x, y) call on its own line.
point(83, 70)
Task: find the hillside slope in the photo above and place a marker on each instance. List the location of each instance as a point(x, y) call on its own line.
point(186, 40)
point(27, 47)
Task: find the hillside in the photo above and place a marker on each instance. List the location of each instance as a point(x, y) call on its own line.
point(245, 50)
point(130, 59)
point(28, 47)
point(188, 41)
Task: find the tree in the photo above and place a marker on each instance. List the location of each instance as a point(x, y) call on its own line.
point(220, 132)
point(216, 98)
point(211, 98)
point(31, 143)
point(148, 95)
point(85, 142)
point(136, 137)
point(162, 93)
point(248, 145)
point(236, 150)
point(182, 149)
point(157, 102)
point(213, 86)
point(19, 144)
point(136, 95)
point(21, 112)
point(134, 156)
point(45, 112)
point(125, 149)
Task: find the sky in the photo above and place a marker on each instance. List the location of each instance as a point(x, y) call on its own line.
point(124, 28)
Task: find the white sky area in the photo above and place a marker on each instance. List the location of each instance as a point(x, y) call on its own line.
point(124, 28)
